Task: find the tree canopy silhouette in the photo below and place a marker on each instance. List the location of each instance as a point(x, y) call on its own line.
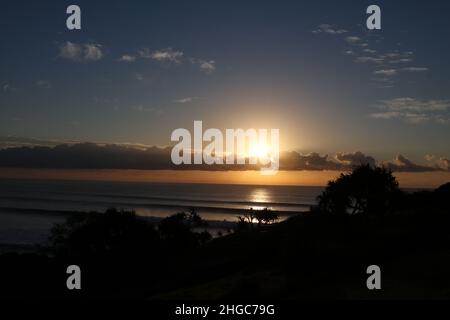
point(367, 190)
point(177, 230)
point(113, 233)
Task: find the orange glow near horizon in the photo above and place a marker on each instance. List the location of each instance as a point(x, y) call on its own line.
point(288, 178)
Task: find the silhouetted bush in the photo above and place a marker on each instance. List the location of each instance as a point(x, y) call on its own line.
point(113, 233)
point(247, 221)
point(266, 216)
point(177, 230)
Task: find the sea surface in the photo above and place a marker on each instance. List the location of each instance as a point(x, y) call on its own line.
point(28, 208)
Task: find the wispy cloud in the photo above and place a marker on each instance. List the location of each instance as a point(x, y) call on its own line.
point(352, 39)
point(71, 51)
point(415, 69)
point(152, 110)
point(354, 159)
point(8, 88)
point(403, 164)
point(44, 84)
point(81, 52)
point(369, 51)
point(164, 55)
point(205, 66)
point(365, 59)
point(170, 55)
point(186, 100)
point(138, 76)
point(92, 52)
point(361, 48)
point(386, 72)
point(413, 110)
point(329, 29)
point(127, 58)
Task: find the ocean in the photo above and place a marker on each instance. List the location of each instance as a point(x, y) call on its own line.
point(28, 208)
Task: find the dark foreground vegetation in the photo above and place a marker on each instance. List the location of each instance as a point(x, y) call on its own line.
point(361, 219)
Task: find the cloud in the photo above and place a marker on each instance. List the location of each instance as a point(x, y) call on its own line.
point(385, 80)
point(386, 72)
point(127, 58)
point(409, 117)
point(8, 88)
point(141, 108)
point(87, 155)
point(402, 164)
point(352, 39)
point(92, 52)
point(398, 57)
point(183, 100)
point(208, 67)
point(413, 110)
point(19, 142)
point(177, 57)
point(71, 51)
point(186, 100)
point(402, 60)
point(329, 29)
point(81, 52)
point(361, 49)
point(444, 164)
point(355, 159)
point(145, 53)
point(365, 59)
point(44, 84)
point(139, 76)
point(34, 153)
point(412, 104)
point(312, 161)
point(165, 55)
point(440, 163)
point(415, 69)
point(385, 115)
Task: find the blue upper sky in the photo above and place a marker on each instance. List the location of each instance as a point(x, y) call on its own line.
point(140, 69)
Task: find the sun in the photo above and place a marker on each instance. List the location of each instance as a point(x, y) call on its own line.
point(259, 150)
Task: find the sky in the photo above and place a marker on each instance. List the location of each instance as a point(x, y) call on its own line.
point(137, 70)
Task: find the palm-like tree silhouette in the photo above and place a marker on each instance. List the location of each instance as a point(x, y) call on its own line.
point(367, 190)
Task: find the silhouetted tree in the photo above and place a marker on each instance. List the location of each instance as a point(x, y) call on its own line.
point(177, 230)
point(247, 221)
point(367, 190)
point(242, 225)
point(266, 216)
point(113, 233)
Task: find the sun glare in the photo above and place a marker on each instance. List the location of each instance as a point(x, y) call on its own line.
point(259, 150)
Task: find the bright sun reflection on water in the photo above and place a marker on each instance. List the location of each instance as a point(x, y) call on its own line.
point(260, 195)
